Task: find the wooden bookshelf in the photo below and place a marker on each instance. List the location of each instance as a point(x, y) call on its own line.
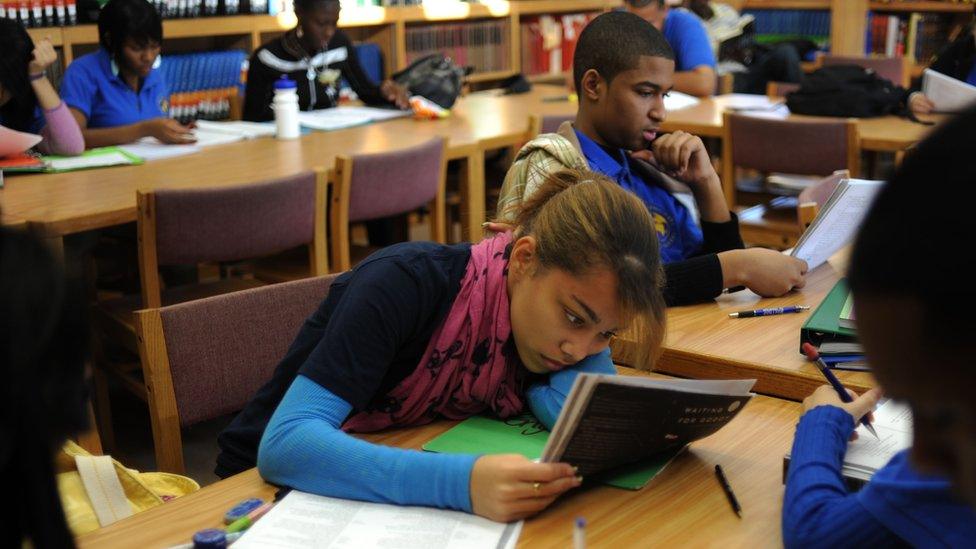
point(542, 7)
point(52, 33)
point(787, 4)
point(921, 6)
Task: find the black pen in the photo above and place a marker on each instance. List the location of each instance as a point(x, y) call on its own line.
point(728, 490)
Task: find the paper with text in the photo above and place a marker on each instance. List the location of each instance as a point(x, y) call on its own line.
point(318, 522)
point(947, 93)
point(893, 422)
point(838, 221)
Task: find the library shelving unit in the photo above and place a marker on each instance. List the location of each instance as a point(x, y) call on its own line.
point(400, 32)
point(930, 24)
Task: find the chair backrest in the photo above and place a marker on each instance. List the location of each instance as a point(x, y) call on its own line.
point(547, 124)
point(780, 89)
point(206, 358)
point(187, 226)
point(807, 146)
point(891, 68)
point(372, 186)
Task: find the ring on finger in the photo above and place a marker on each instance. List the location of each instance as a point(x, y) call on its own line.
point(535, 486)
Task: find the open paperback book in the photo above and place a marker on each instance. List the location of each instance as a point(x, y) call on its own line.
point(893, 422)
point(609, 421)
point(837, 222)
point(318, 522)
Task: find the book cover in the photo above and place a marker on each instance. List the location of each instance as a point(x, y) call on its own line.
point(525, 435)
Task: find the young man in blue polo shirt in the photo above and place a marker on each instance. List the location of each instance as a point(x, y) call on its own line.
point(623, 67)
point(694, 60)
point(115, 93)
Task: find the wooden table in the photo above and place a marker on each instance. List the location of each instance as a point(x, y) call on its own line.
point(882, 134)
point(703, 342)
point(682, 506)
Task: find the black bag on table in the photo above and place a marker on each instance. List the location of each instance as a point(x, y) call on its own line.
point(847, 91)
point(434, 77)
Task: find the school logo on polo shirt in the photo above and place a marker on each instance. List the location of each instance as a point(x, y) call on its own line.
point(663, 226)
point(164, 104)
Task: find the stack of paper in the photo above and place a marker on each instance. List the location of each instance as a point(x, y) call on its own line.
point(319, 522)
point(346, 117)
point(246, 130)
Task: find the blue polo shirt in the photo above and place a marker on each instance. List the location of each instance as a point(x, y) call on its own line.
point(679, 235)
point(93, 86)
point(687, 36)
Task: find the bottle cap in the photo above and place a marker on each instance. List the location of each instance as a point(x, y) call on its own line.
point(211, 538)
point(285, 83)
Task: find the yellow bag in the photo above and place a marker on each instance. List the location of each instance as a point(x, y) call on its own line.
point(97, 490)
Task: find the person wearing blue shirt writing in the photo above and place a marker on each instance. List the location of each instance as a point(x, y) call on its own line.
point(694, 60)
point(916, 323)
point(419, 331)
point(116, 94)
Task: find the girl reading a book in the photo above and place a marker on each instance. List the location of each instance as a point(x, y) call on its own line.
point(916, 323)
point(420, 331)
point(117, 94)
point(317, 55)
point(28, 101)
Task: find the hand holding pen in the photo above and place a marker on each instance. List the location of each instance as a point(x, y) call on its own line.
point(863, 405)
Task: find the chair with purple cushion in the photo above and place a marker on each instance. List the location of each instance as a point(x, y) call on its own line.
point(895, 69)
point(374, 186)
point(193, 226)
point(207, 358)
point(801, 146)
point(547, 124)
point(778, 90)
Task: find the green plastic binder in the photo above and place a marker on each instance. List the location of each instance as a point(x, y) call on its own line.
point(823, 325)
point(526, 436)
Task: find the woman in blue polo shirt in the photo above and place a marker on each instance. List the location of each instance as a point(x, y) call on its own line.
point(115, 93)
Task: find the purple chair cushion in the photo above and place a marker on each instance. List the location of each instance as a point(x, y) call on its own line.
point(807, 147)
point(233, 223)
point(223, 349)
point(387, 184)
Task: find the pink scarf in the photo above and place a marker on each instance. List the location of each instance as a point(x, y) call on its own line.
point(464, 370)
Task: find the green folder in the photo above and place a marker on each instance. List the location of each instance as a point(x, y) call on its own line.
point(525, 435)
point(93, 158)
point(823, 325)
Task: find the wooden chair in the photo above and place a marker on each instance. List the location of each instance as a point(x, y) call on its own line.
point(192, 226)
point(780, 223)
point(373, 186)
point(793, 146)
point(207, 358)
point(546, 124)
point(896, 69)
point(780, 89)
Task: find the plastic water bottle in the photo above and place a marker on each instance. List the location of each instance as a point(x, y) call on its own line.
point(285, 106)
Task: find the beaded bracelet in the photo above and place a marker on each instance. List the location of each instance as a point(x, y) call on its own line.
point(37, 76)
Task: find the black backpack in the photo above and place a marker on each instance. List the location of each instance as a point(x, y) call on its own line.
point(847, 90)
point(434, 77)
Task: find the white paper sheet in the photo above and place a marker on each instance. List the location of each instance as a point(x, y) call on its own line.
point(346, 117)
point(948, 94)
point(893, 422)
point(90, 161)
point(13, 141)
point(247, 130)
point(677, 101)
point(302, 520)
point(149, 148)
point(837, 222)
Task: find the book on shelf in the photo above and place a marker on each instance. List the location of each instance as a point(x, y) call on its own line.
point(480, 44)
point(548, 42)
point(866, 455)
point(610, 421)
point(917, 36)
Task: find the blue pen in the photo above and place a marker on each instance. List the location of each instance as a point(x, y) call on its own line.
point(769, 312)
point(812, 354)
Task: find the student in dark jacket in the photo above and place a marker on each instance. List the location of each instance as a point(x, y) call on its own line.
point(316, 55)
point(956, 60)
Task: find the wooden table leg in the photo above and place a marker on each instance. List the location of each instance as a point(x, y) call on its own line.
point(472, 188)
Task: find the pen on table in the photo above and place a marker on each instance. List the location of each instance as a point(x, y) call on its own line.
point(770, 311)
point(246, 521)
point(579, 533)
point(813, 355)
point(720, 475)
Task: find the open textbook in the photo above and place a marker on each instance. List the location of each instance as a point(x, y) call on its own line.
point(341, 117)
point(609, 421)
point(318, 522)
point(837, 222)
point(893, 422)
point(947, 93)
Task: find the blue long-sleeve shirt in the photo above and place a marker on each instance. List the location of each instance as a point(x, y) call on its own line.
point(899, 506)
point(304, 447)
